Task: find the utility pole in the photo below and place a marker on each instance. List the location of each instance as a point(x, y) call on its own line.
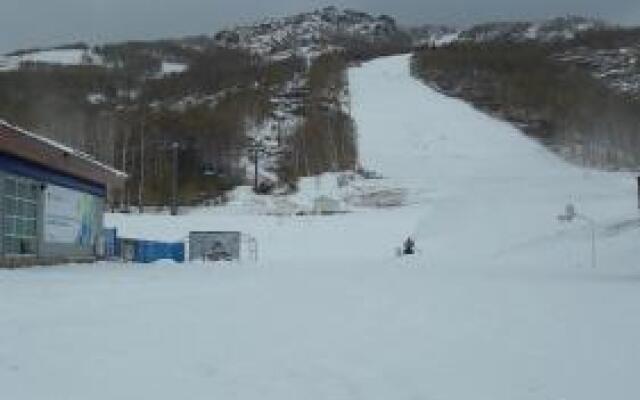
point(141, 186)
point(256, 154)
point(174, 181)
point(124, 201)
point(259, 148)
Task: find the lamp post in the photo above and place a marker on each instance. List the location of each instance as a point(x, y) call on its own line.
point(570, 215)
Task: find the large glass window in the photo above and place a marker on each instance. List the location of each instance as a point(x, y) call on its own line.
point(20, 217)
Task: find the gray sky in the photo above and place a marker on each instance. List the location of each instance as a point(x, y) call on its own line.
point(34, 23)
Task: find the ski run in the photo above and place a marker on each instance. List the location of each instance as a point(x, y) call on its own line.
point(500, 303)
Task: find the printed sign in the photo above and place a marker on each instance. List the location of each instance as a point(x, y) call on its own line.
point(69, 217)
point(214, 246)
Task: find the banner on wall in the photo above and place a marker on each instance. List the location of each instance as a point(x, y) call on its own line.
point(69, 217)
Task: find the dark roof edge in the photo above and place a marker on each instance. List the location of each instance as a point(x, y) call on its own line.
point(66, 149)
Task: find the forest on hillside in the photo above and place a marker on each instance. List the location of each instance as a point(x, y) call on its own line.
point(560, 103)
point(326, 139)
point(127, 112)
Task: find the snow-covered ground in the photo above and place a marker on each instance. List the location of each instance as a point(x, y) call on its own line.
point(170, 68)
point(500, 303)
point(67, 57)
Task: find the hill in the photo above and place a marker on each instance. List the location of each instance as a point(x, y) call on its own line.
point(266, 102)
point(219, 97)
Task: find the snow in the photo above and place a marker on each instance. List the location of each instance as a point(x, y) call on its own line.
point(170, 68)
point(96, 98)
point(532, 32)
point(65, 57)
point(447, 39)
point(500, 302)
point(61, 57)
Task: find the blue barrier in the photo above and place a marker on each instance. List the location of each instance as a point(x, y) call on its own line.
point(148, 251)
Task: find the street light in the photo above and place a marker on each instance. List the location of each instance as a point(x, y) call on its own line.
point(570, 215)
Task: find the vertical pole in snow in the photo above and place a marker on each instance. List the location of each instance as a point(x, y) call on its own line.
point(174, 180)
point(593, 226)
point(124, 204)
point(593, 247)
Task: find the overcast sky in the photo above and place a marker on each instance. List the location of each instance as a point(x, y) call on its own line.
point(34, 23)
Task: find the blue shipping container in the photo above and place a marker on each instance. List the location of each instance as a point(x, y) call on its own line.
point(148, 251)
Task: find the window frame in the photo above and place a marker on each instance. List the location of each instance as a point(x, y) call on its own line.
point(20, 223)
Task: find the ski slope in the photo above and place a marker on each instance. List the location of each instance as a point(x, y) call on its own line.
point(482, 185)
point(501, 302)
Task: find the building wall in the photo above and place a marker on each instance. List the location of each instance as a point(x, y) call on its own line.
point(63, 247)
point(74, 250)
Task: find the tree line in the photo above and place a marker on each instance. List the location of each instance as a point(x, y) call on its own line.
point(559, 103)
point(133, 120)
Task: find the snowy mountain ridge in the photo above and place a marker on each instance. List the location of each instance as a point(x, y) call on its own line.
point(308, 33)
point(556, 29)
point(546, 31)
point(313, 33)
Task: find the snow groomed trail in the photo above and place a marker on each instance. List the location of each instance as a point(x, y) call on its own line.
point(501, 303)
point(484, 187)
